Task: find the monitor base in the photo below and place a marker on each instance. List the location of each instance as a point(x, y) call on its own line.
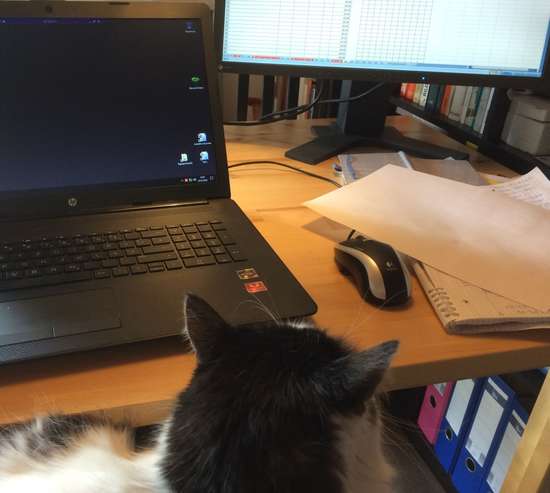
point(331, 142)
point(363, 123)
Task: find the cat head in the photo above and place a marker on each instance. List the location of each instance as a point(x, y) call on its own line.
point(296, 361)
point(264, 409)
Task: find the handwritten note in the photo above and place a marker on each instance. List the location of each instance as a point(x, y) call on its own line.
point(533, 188)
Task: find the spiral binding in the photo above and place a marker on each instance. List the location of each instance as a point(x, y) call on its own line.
point(442, 302)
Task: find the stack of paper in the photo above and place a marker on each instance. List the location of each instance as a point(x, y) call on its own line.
point(488, 247)
point(357, 166)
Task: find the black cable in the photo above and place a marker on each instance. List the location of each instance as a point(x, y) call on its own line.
point(353, 98)
point(279, 116)
point(298, 110)
point(324, 178)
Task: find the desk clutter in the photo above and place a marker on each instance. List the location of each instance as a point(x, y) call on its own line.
point(474, 426)
point(480, 252)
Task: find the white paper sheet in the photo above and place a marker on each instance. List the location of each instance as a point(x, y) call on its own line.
point(488, 239)
point(533, 188)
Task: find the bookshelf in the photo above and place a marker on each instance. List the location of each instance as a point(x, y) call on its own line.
point(405, 407)
point(488, 142)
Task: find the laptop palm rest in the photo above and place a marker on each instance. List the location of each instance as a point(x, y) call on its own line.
point(59, 315)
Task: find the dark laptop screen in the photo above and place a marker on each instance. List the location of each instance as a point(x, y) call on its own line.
point(103, 101)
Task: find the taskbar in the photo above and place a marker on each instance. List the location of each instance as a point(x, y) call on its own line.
point(197, 179)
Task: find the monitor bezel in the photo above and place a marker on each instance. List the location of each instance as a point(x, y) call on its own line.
point(389, 76)
point(53, 202)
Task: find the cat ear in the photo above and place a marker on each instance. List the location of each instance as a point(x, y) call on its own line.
point(203, 327)
point(363, 371)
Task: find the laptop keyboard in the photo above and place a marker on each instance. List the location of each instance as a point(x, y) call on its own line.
point(130, 252)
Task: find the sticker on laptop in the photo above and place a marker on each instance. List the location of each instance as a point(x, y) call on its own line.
point(246, 274)
point(255, 287)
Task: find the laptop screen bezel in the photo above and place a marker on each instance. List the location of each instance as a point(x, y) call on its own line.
point(103, 197)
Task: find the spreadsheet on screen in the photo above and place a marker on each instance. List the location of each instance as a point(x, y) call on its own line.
point(493, 37)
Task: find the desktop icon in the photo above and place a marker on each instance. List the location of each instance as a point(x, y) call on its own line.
point(184, 159)
point(202, 138)
point(204, 156)
point(196, 81)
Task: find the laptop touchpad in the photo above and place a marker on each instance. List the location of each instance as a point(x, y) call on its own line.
point(59, 315)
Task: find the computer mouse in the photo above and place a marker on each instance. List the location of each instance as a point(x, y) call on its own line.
point(378, 271)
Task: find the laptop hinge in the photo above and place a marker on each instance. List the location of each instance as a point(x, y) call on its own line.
point(140, 206)
point(137, 206)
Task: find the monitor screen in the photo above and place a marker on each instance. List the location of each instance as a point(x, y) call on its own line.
point(103, 102)
point(483, 38)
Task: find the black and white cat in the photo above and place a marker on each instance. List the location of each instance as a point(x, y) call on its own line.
point(271, 408)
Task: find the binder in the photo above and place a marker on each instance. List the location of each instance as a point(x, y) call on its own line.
point(485, 433)
point(433, 409)
point(456, 421)
point(511, 437)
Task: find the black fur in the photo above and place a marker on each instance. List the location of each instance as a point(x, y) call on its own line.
point(257, 415)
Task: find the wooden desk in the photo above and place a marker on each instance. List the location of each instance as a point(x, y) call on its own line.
point(139, 381)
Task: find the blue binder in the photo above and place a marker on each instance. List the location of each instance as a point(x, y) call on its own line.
point(482, 439)
point(456, 421)
point(513, 431)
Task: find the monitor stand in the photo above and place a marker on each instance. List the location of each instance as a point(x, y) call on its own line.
point(362, 123)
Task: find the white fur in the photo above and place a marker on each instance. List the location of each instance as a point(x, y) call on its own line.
point(185, 331)
point(300, 324)
point(101, 462)
point(98, 462)
point(365, 467)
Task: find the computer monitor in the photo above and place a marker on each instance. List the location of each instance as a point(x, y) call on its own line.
point(501, 43)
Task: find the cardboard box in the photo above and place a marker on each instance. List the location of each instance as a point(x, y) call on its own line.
point(527, 125)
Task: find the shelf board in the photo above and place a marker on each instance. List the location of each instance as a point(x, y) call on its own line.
point(456, 130)
point(515, 159)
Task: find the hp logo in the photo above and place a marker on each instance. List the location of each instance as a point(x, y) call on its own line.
point(72, 202)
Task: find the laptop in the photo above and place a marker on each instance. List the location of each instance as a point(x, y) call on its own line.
point(114, 189)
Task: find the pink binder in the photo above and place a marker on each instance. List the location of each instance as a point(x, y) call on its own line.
point(433, 409)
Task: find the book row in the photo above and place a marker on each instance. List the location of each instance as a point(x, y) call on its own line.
point(466, 105)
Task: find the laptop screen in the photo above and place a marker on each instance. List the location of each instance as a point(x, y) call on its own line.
point(103, 102)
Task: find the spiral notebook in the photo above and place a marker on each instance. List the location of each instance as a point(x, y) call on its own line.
point(467, 309)
point(357, 166)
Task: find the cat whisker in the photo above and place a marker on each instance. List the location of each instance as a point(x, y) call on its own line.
point(275, 313)
point(261, 306)
point(393, 437)
point(358, 320)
